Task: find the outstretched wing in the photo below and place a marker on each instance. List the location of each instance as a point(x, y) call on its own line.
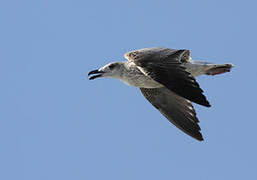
point(176, 109)
point(165, 66)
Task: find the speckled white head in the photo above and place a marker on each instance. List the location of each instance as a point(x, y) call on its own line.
point(113, 69)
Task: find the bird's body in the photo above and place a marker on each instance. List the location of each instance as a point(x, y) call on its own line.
point(166, 78)
point(132, 76)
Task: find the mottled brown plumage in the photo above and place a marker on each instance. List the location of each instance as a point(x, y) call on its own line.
point(166, 77)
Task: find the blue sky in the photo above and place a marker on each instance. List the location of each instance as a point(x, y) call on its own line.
point(56, 124)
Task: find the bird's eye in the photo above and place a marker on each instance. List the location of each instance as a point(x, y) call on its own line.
point(112, 66)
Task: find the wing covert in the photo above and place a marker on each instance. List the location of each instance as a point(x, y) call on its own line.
point(165, 66)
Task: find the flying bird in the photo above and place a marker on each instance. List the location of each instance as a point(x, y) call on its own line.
point(166, 78)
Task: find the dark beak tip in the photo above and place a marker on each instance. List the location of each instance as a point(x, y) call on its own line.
point(99, 74)
point(93, 72)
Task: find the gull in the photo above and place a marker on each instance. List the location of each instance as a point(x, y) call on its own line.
point(166, 78)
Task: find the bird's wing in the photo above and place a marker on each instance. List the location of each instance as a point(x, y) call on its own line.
point(176, 109)
point(165, 66)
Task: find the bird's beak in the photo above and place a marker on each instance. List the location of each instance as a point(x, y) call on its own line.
point(99, 74)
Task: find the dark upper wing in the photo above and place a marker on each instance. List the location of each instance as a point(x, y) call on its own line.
point(165, 66)
point(176, 109)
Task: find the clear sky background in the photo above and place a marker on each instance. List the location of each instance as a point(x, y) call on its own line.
point(56, 124)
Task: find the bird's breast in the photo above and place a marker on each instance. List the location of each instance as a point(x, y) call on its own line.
point(141, 81)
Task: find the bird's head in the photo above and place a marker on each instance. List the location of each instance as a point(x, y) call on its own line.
point(114, 70)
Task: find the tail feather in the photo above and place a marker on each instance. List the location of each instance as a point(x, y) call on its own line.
point(219, 69)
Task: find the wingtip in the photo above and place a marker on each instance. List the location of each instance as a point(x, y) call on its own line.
point(199, 138)
point(208, 105)
point(204, 103)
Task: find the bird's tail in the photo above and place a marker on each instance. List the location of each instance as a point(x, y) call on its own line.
point(197, 68)
point(215, 69)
